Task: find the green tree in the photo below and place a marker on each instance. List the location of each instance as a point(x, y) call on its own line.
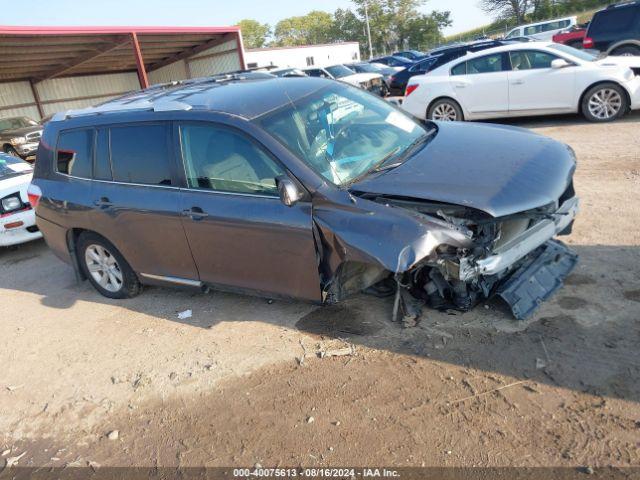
point(254, 33)
point(313, 28)
point(399, 24)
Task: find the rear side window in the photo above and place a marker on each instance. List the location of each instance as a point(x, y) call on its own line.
point(615, 21)
point(74, 154)
point(530, 60)
point(487, 64)
point(141, 154)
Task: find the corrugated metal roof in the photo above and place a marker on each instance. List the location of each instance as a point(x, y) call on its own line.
point(40, 53)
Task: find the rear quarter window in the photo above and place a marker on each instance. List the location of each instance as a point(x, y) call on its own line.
point(74, 153)
point(141, 154)
point(460, 69)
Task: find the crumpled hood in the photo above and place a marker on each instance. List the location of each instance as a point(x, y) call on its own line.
point(497, 169)
point(19, 132)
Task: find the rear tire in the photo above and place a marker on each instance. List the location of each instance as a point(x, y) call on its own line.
point(605, 102)
point(445, 110)
point(106, 268)
point(627, 51)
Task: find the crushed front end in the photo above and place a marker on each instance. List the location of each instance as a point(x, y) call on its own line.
point(514, 257)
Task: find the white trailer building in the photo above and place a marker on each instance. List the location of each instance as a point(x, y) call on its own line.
point(303, 56)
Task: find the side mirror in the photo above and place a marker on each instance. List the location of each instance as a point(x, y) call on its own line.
point(559, 63)
point(288, 191)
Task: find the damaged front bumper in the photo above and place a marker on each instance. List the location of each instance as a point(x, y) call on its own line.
point(518, 247)
point(523, 270)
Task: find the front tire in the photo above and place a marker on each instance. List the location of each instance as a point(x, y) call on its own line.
point(106, 268)
point(605, 103)
point(445, 110)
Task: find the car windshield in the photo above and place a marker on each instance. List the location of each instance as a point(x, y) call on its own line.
point(344, 133)
point(12, 167)
point(574, 52)
point(366, 67)
point(16, 122)
point(339, 71)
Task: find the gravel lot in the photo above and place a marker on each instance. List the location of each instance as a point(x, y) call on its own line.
point(226, 386)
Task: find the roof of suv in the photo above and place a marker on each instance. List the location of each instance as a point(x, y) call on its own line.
point(247, 95)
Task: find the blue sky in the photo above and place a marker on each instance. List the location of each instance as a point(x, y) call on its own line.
point(465, 13)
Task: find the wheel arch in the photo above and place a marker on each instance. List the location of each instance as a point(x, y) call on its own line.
point(622, 44)
point(446, 97)
point(602, 82)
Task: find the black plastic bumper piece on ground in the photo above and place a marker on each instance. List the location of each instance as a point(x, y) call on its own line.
point(538, 278)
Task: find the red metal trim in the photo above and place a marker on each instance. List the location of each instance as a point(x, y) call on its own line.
point(142, 73)
point(32, 30)
point(240, 46)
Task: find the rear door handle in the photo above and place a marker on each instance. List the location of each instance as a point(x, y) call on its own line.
point(517, 82)
point(195, 213)
point(103, 203)
point(461, 85)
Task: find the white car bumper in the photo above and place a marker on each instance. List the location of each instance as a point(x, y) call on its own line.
point(18, 228)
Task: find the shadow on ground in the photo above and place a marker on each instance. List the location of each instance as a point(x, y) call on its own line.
point(585, 338)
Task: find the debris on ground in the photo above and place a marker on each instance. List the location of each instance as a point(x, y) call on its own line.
point(540, 364)
point(184, 315)
point(12, 388)
point(311, 420)
point(113, 435)
point(5, 453)
point(338, 352)
point(11, 461)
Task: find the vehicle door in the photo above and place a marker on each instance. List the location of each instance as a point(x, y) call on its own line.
point(481, 84)
point(136, 199)
point(241, 234)
point(535, 85)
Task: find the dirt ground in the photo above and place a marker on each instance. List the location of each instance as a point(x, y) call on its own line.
point(241, 383)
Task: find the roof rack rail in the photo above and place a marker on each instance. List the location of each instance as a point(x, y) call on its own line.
point(622, 4)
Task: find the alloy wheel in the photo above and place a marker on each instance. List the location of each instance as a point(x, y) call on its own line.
point(605, 103)
point(103, 267)
point(445, 112)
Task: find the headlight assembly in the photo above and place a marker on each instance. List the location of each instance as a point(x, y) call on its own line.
point(18, 140)
point(9, 204)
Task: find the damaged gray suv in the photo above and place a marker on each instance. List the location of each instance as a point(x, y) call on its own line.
point(305, 188)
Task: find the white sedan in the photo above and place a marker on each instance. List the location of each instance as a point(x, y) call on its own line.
point(17, 218)
point(536, 78)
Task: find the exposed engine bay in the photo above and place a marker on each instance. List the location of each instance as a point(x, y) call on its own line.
point(512, 257)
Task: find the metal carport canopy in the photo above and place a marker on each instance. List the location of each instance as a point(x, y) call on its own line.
point(41, 53)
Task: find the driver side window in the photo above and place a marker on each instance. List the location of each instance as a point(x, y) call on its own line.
point(221, 159)
point(530, 60)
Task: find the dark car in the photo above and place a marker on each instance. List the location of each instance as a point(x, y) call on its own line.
point(302, 187)
point(412, 55)
point(20, 136)
point(435, 59)
point(615, 30)
point(392, 61)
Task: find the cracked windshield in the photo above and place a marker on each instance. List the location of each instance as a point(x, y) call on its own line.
point(344, 134)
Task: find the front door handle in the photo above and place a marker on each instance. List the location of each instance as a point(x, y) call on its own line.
point(517, 82)
point(195, 213)
point(461, 85)
point(103, 203)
